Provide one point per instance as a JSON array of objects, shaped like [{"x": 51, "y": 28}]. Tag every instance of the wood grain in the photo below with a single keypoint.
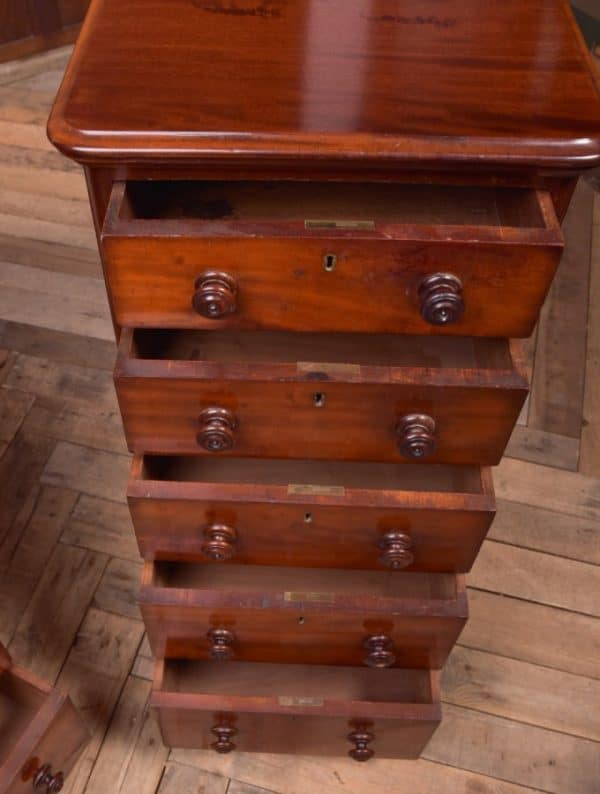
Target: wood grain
[
  {"x": 292, "y": 118},
  {"x": 273, "y": 402},
  {"x": 54, "y": 614},
  {"x": 153, "y": 263}
]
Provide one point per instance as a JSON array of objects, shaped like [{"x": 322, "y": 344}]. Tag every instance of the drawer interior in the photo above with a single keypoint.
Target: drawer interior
[
  {"x": 303, "y": 584},
  {"x": 383, "y": 350},
  {"x": 323, "y": 205},
  {"x": 261, "y": 679},
  {"x": 19, "y": 703},
  {"x": 434, "y": 478}
]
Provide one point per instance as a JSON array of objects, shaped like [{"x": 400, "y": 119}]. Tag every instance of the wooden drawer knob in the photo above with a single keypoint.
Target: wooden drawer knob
[
  {"x": 221, "y": 641},
  {"x": 380, "y": 651},
  {"x": 217, "y": 426},
  {"x": 219, "y": 542},
  {"x": 396, "y": 547},
  {"x": 416, "y": 437},
  {"x": 441, "y": 296},
  {"x": 44, "y": 778},
  {"x": 215, "y": 295},
  {"x": 224, "y": 734},
  {"x": 360, "y": 739}
]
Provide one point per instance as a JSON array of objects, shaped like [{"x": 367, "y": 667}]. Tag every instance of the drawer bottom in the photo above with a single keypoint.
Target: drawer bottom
[{"x": 301, "y": 709}]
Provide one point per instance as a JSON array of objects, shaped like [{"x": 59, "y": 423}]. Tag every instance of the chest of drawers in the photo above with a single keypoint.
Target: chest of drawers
[{"x": 321, "y": 252}]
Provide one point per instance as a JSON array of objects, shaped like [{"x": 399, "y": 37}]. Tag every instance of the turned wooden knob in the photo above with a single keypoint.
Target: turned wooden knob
[
  {"x": 217, "y": 426},
  {"x": 224, "y": 734},
  {"x": 416, "y": 437},
  {"x": 215, "y": 295},
  {"x": 360, "y": 739},
  {"x": 380, "y": 651},
  {"x": 44, "y": 777},
  {"x": 396, "y": 547},
  {"x": 221, "y": 641},
  {"x": 219, "y": 542},
  {"x": 441, "y": 296}
]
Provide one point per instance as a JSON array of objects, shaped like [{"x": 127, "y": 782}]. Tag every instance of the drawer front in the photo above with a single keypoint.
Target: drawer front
[
  {"x": 264, "y": 395},
  {"x": 302, "y": 635},
  {"x": 284, "y": 284},
  {"x": 49, "y": 745},
  {"x": 298, "y": 734},
  {"x": 296, "y": 708},
  {"x": 313, "y": 521},
  {"x": 253, "y": 614},
  {"x": 390, "y": 275},
  {"x": 335, "y": 421}
]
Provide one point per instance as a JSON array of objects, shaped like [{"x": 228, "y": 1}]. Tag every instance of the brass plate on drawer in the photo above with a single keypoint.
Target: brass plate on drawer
[
  {"x": 285, "y": 700},
  {"x": 303, "y": 489},
  {"x": 321, "y": 598},
  {"x": 323, "y": 223},
  {"x": 336, "y": 368}
]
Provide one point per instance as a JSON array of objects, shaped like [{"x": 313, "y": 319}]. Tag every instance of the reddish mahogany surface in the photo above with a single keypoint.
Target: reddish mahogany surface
[{"x": 412, "y": 82}]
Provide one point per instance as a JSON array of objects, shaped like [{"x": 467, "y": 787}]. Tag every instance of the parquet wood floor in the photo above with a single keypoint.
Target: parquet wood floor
[{"x": 521, "y": 691}]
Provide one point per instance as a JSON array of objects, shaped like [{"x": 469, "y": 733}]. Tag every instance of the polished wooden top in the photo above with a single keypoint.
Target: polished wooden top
[{"x": 401, "y": 82}]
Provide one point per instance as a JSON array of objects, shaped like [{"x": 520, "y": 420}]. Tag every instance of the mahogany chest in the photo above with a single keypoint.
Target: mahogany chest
[{"x": 325, "y": 226}]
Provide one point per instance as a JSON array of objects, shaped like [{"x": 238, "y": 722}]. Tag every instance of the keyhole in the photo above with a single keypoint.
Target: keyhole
[
  {"x": 308, "y": 518},
  {"x": 329, "y": 262},
  {"x": 301, "y": 621},
  {"x": 319, "y": 399}
]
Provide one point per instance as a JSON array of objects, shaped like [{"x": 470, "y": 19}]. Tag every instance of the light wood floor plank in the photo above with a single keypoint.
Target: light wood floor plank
[
  {"x": 118, "y": 588},
  {"x": 533, "y": 633},
  {"x": 121, "y": 743},
  {"x": 515, "y": 752},
  {"x": 546, "y": 530},
  {"x": 22, "y": 69},
  {"x": 287, "y": 774},
  {"x": 538, "y": 446},
  {"x": 562, "y": 491},
  {"x": 49, "y": 230},
  {"x": 57, "y": 346},
  {"x": 94, "y": 675},
  {"x": 24, "y": 553},
  {"x": 521, "y": 691},
  {"x": 534, "y": 576},
  {"x": 87, "y": 470},
  {"x": 76, "y": 404},
  {"x": 180, "y": 779},
  {"x": 72, "y": 212},
  {"x": 147, "y": 761},
  {"x": 65, "y": 185},
  {"x": 20, "y": 468},
  {"x": 59, "y": 603},
  {"x": 54, "y": 300},
  {"x": 14, "y": 407},
  {"x": 102, "y": 525}
]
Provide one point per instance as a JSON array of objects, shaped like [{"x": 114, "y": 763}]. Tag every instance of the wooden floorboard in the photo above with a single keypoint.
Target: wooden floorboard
[{"x": 522, "y": 687}]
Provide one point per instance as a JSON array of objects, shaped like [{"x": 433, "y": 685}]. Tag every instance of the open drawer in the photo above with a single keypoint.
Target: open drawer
[
  {"x": 321, "y": 396},
  {"x": 41, "y": 733},
  {"x": 313, "y": 514},
  {"x": 385, "y": 258},
  {"x": 301, "y": 615},
  {"x": 275, "y": 708}
]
